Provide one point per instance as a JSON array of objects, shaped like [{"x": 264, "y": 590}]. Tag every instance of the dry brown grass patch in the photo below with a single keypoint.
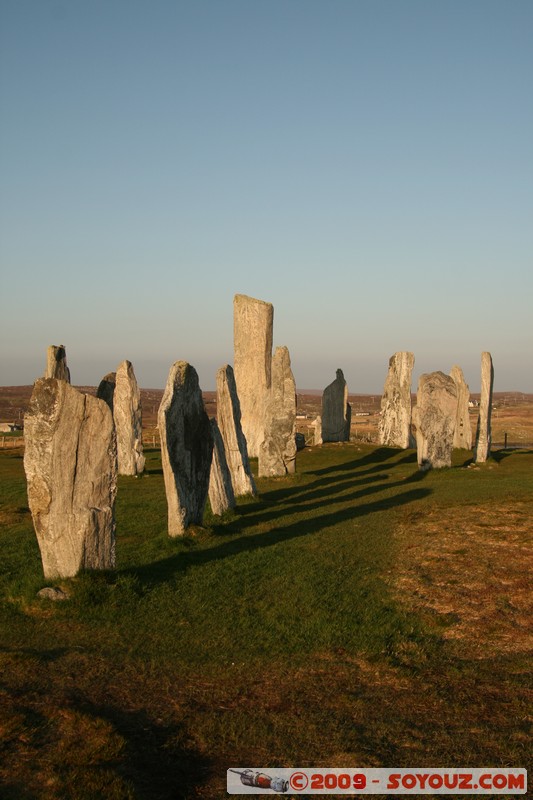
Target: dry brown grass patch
[{"x": 472, "y": 566}]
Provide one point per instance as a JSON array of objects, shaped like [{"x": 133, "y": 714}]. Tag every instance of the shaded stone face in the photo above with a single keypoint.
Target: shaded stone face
[
  {"x": 253, "y": 322},
  {"x": 434, "y": 416},
  {"x": 221, "y": 496},
  {"x": 186, "y": 448},
  {"x": 127, "y": 413},
  {"x": 70, "y": 462},
  {"x": 462, "y": 438},
  {"x": 277, "y": 454},
  {"x": 483, "y": 433},
  {"x": 229, "y": 423},
  {"x": 395, "y": 420},
  {"x": 106, "y": 388},
  {"x": 336, "y": 411},
  {"x": 56, "y": 363}
]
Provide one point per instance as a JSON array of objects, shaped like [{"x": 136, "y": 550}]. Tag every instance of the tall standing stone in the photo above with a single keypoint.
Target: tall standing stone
[
  {"x": 395, "y": 420},
  {"x": 277, "y": 453},
  {"x": 127, "y": 413},
  {"x": 56, "y": 363},
  {"x": 221, "y": 496},
  {"x": 336, "y": 411},
  {"x": 252, "y": 332},
  {"x": 229, "y": 422},
  {"x": 70, "y": 462},
  {"x": 434, "y": 416},
  {"x": 186, "y": 448},
  {"x": 483, "y": 433},
  {"x": 462, "y": 438}
]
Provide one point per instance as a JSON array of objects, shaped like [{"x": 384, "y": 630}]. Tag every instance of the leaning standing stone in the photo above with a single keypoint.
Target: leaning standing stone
[
  {"x": 395, "y": 420},
  {"x": 277, "y": 454},
  {"x": 56, "y": 363},
  {"x": 229, "y": 422},
  {"x": 186, "y": 448},
  {"x": 462, "y": 438},
  {"x": 434, "y": 416},
  {"x": 483, "y": 433},
  {"x": 70, "y": 462},
  {"x": 252, "y": 331},
  {"x": 336, "y": 411},
  {"x": 221, "y": 496},
  {"x": 127, "y": 413}
]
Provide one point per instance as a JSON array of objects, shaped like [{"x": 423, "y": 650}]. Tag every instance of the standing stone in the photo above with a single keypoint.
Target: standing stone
[
  {"x": 395, "y": 420},
  {"x": 483, "y": 432},
  {"x": 252, "y": 332},
  {"x": 186, "y": 448},
  {"x": 106, "y": 388},
  {"x": 221, "y": 496},
  {"x": 434, "y": 416},
  {"x": 127, "y": 413},
  {"x": 56, "y": 363},
  {"x": 229, "y": 422},
  {"x": 336, "y": 411},
  {"x": 317, "y": 425},
  {"x": 70, "y": 462},
  {"x": 277, "y": 454},
  {"x": 462, "y": 438}
]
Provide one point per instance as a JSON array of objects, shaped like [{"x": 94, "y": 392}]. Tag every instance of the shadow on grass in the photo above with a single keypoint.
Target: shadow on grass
[
  {"x": 161, "y": 571},
  {"x": 157, "y": 762}
]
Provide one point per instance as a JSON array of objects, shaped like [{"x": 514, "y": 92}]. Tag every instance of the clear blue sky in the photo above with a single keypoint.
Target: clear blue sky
[{"x": 366, "y": 166}]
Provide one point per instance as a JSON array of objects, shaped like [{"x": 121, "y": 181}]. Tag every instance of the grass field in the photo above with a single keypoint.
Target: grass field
[{"x": 357, "y": 614}]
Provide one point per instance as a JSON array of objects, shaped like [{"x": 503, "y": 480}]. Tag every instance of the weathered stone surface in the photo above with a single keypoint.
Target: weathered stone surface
[
  {"x": 336, "y": 411},
  {"x": 277, "y": 453},
  {"x": 483, "y": 432},
  {"x": 53, "y": 593},
  {"x": 106, "y": 388},
  {"x": 186, "y": 448},
  {"x": 395, "y": 421},
  {"x": 434, "y": 416},
  {"x": 252, "y": 332},
  {"x": 221, "y": 496},
  {"x": 317, "y": 425},
  {"x": 56, "y": 363},
  {"x": 462, "y": 437},
  {"x": 127, "y": 413},
  {"x": 229, "y": 422},
  {"x": 70, "y": 462}
]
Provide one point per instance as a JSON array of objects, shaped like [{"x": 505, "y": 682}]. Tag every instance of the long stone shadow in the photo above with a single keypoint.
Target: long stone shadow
[
  {"x": 162, "y": 571},
  {"x": 377, "y": 456},
  {"x": 318, "y": 499}
]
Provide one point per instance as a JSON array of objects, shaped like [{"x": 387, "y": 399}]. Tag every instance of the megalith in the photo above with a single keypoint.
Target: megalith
[
  {"x": 434, "y": 416},
  {"x": 106, "y": 388},
  {"x": 221, "y": 496},
  {"x": 70, "y": 462},
  {"x": 121, "y": 393},
  {"x": 277, "y": 453},
  {"x": 462, "y": 438},
  {"x": 56, "y": 363},
  {"x": 252, "y": 333},
  {"x": 336, "y": 411},
  {"x": 394, "y": 426},
  {"x": 483, "y": 432},
  {"x": 186, "y": 448},
  {"x": 127, "y": 413},
  {"x": 229, "y": 423},
  {"x": 317, "y": 433}
]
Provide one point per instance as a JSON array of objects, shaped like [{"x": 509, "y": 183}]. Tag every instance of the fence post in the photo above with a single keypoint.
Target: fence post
[{"x": 505, "y": 442}]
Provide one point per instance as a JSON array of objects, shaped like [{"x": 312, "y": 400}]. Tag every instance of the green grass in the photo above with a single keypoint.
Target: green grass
[{"x": 274, "y": 636}]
